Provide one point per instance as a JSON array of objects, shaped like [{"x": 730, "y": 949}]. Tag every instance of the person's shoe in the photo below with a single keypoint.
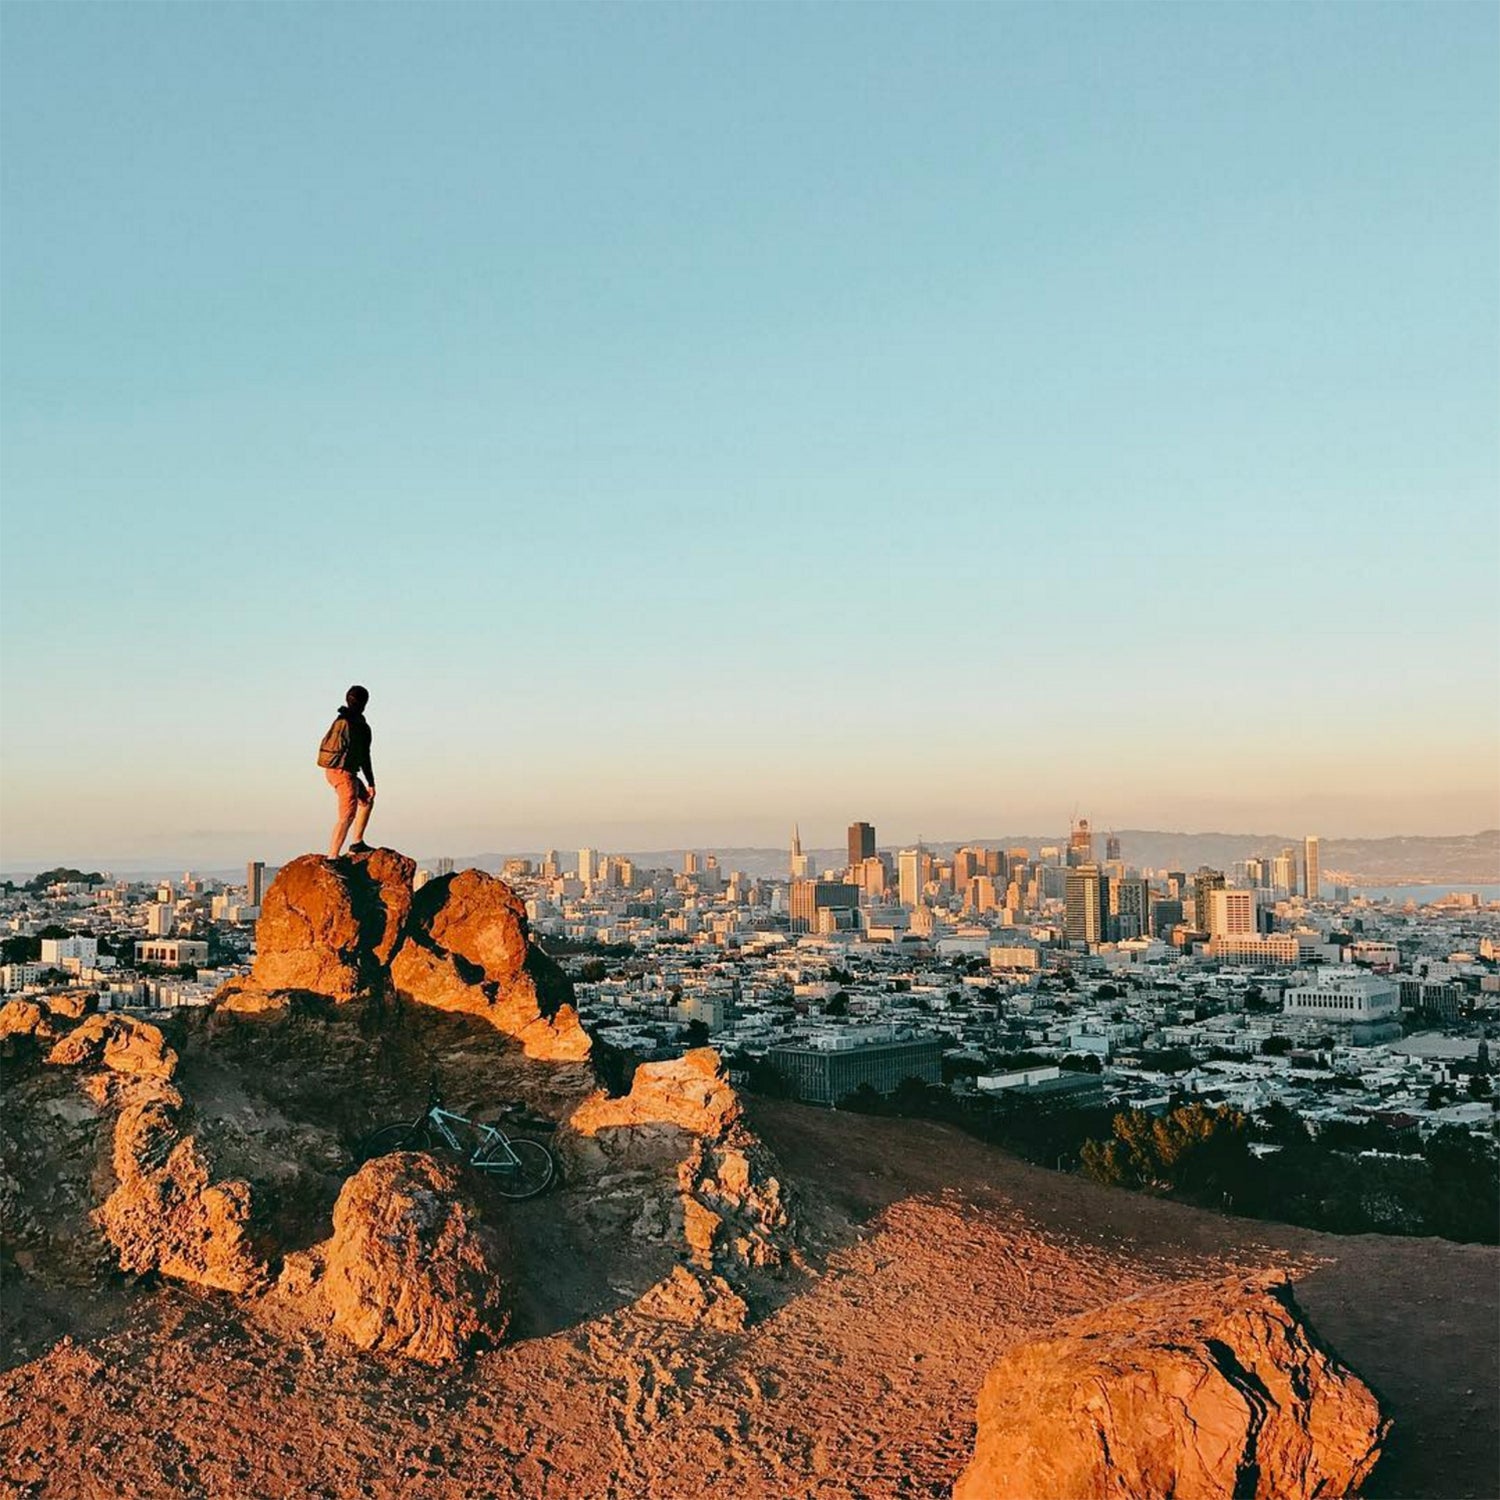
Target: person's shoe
[{"x": 360, "y": 848}]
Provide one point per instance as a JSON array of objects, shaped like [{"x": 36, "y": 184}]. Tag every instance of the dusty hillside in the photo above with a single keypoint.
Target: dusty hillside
[
  {"x": 207, "y": 1295},
  {"x": 930, "y": 1253}
]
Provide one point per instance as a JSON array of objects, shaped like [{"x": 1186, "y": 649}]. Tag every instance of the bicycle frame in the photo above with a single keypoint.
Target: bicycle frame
[{"x": 488, "y": 1141}]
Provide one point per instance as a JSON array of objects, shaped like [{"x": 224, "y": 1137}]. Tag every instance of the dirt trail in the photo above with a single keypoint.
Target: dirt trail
[{"x": 929, "y": 1254}]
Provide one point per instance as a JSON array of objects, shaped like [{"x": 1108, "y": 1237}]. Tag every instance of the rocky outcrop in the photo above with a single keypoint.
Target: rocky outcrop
[
  {"x": 167, "y": 1214},
  {"x": 411, "y": 1268},
  {"x": 729, "y": 1205},
  {"x": 1203, "y": 1391},
  {"x": 353, "y": 927},
  {"x": 329, "y": 926},
  {"x": 24, "y": 1029},
  {"x": 692, "y": 1092},
  {"x": 467, "y": 949},
  {"x": 119, "y": 1042}
]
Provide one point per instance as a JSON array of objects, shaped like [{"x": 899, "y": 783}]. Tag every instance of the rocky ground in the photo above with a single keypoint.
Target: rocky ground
[{"x": 206, "y": 1295}]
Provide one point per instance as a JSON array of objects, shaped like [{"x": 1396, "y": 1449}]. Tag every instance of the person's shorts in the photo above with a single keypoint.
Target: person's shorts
[{"x": 352, "y": 791}]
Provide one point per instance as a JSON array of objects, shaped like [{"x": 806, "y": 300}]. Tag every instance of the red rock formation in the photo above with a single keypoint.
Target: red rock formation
[
  {"x": 24, "y": 1027},
  {"x": 692, "y": 1092},
  {"x": 1203, "y": 1391},
  {"x": 729, "y": 1197},
  {"x": 467, "y": 949},
  {"x": 309, "y": 935},
  {"x": 120, "y": 1042},
  {"x": 167, "y": 1214},
  {"x": 411, "y": 1268}
]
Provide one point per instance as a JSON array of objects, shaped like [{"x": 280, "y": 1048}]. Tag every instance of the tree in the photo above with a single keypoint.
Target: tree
[
  {"x": 1194, "y": 1150},
  {"x": 1276, "y": 1046},
  {"x": 696, "y": 1034},
  {"x": 838, "y": 1004}
]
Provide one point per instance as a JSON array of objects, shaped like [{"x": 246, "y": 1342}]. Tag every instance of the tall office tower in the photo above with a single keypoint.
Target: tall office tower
[
  {"x": 551, "y": 865},
  {"x": 966, "y": 865},
  {"x": 444, "y": 866},
  {"x": 711, "y": 862},
  {"x": 690, "y": 862},
  {"x": 1081, "y": 844},
  {"x": 861, "y": 843},
  {"x": 909, "y": 877},
  {"x": 1231, "y": 913},
  {"x": 588, "y": 862},
  {"x": 1112, "y": 848},
  {"x": 1205, "y": 883},
  {"x": 1312, "y": 878},
  {"x": 1087, "y": 905},
  {"x": 1130, "y": 904},
  {"x": 801, "y": 863},
  {"x": 1257, "y": 873},
  {"x": 255, "y": 881},
  {"x": 1284, "y": 873}
]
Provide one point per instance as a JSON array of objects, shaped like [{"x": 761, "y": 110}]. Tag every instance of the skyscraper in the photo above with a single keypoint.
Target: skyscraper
[
  {"x": 1284, "y": 873},
  {"x": 255, "y": 881},
  {"x": 1205, "y": 883},
  {"x": 1112, "y": 848},
  {"x": 861, "y": 843},
  {"x": 1130, "y": 903},
  {"x": 1087, "y": 905},
  {"x": 800, "y": 861},
  {"x": 690, "y": 862},
  {"x": 588, "y": 860},
  {"x": 909, "y": 871},
  {"x": 1312, "y": 878}
]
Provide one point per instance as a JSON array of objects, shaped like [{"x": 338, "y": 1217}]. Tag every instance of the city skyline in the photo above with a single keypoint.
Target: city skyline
[{"x": 680, "y": 416}]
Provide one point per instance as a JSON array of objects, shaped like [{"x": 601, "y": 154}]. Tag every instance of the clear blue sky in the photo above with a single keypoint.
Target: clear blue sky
[{"x": 685, "y": 419}]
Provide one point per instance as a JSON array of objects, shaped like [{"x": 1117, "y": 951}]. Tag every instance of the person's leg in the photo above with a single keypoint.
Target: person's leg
[
  {"x": 343, "y": 783},
  {"x": 366, "y": 807}
]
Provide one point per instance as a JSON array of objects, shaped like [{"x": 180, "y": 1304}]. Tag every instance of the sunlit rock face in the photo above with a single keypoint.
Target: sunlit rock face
[
  {"x": 1203, "y": 1391},
  {"x": 729, "y": 1206},
  {"x": 353, "y": 928},
  {"x": 467, "y": 949},
  {"x": 412, "y": 1269}
]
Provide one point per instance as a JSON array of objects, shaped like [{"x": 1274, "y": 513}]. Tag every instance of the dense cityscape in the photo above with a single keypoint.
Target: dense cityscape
[{"x": 1020, "y": 982}]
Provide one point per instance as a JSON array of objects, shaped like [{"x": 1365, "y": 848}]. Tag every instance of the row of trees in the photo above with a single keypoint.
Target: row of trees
[{"x": 1349, "y": 1178}]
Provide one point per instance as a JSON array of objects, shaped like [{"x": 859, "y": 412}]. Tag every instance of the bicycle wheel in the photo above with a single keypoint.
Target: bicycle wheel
[
  {"x": 400, "y": 1135},
  {"x": 518, "y": 1168}
]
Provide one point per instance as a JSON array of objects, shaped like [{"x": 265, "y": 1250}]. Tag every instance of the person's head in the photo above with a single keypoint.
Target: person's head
[{"x": 357, "y": 697}]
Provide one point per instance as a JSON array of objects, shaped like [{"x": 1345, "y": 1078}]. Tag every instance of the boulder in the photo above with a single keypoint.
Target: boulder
[
  {"x": 467, "y": 949},
  {"x": 24, "y": 1027},
  {"x": 70, "y": 1005},
  {"x": 168, "y": 1215},
  {"x": 1201, "y": 1391},
  {"x": 329, "y": 926},
  {"x": 411, "y": 1268},
  {"x": 692, "y": 1092},
  {"x": 118, "y": 1041}
]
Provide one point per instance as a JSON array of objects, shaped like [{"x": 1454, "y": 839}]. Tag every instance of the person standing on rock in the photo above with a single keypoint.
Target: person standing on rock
[{"x": 344, "y": 754}]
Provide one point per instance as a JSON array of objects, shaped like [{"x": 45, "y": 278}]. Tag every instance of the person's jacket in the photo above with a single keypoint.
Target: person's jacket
[{"x": 346, "y": 746}]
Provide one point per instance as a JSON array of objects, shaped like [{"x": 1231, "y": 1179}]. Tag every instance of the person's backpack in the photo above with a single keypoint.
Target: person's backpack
[{"x": 335, "y": 744}]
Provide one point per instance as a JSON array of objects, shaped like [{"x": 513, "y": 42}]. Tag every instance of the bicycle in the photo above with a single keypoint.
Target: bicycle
[{"x": 518, "y": 1167}]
